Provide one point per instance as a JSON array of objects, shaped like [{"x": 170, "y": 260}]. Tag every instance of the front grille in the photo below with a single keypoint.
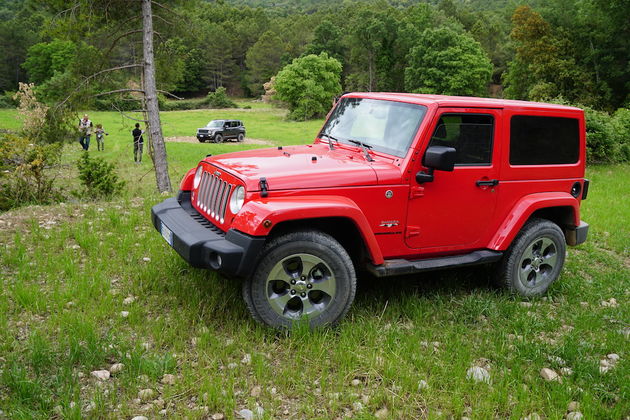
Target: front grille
[
  {"x": 213, "y": 195},
  {"x": 202, "y": 131}
]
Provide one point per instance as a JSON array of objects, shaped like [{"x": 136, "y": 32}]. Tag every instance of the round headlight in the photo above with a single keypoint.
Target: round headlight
[
  {"x": 197, "y": 177},
  {"x": 237, "y": 199}
]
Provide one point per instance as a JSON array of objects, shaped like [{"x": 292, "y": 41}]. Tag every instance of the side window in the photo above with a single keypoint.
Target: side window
[
  {"x": 544, "y": 140},
  {"x": 470, "y": 134}
]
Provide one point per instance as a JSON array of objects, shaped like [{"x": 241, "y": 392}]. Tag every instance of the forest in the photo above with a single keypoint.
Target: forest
[{"x": 567, "y": 51}]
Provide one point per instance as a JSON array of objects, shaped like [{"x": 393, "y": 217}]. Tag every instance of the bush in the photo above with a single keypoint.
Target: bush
[
  {"x": 98, "y": 177},
  {"x": 25, "y": 176},
  {"x": 6, "y": 100},
  {"x": 182, "y": 104},
  {"x": 308, "y": 85},
  {"x": 607, "y": 137},
  {"x": 219, "y": 99}
]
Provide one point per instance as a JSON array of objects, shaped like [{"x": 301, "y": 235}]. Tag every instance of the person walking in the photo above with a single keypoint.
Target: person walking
[
  {"x": 137, "y": 143},
  {"x": 85, "y": 131},
  {"x": 100, "y": 137}
]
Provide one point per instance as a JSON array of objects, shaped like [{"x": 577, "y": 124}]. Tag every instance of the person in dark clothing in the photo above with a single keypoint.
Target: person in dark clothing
[{"x": 137, "y": 143}]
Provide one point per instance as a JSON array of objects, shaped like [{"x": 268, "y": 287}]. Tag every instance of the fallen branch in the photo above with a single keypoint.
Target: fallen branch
[{"x": 169, "y": 94}]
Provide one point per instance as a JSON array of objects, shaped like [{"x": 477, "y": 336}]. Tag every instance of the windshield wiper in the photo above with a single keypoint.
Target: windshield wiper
[
  {"x": 331, "y": 138},
  {"x": 365, "y": 148}
]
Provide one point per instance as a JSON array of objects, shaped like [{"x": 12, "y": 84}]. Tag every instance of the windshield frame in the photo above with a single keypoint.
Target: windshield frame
[{"x": 403, "y": 146}]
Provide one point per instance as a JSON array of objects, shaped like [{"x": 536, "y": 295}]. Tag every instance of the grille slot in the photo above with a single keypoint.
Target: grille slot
[{"x": 212, "y": 196}]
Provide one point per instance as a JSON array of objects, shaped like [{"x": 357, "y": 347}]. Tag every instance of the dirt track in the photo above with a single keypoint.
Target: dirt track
[{"x": 191, "y": 139}]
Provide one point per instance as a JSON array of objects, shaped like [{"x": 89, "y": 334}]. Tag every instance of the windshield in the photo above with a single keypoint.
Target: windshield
[
  {"x": 384, "y": 126},
  {"x": 215, "y": 123}
]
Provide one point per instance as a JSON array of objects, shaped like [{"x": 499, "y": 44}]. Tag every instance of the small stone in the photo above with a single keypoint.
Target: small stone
[
  {"x": 72, "y": 404},
  {"x": 146, "y": 259},
  {"x": 532, "y": 416},
  {"x": 168, "y": 379},
  {"x": 69, "y": 304},
  {"x": 139, "y": 418},
  {"x": 116, "y": 368},
  {"x": 526, "y": 304},
  {"x": 566, "y": 371},
  {"x": 575, "y": 415},
  {"x": 256, "y": 391},
  {"x": 246, "y": 414},
  {"x": 146, "y": 394},
  {"x": 355, "y": 382},
  {"x": 102, "y": 375},
  {"x": 478, "y": 374},
  {"x": 573, "y": 406},
  {"x": 232, "y": 365},
  {"x": 584, "y": 304},
  {"x": 129, "y": 300},
  {"x": 247, "y": 359},
  {"x": 357, "y": 406},
  {"x": 163, "y": 412},
  {"x": 465, "y": 418},
  {"x": 604, "y": 369},
  {"x": 382, "y": 413},
  {"x": 613, "y": 357},
  {"x": 422, "y": 385},
  {"x": 549, "y": 374},
  {"x": 218, "y": 416},
  {"x": 124, "y": 314},
  {"x": 604, "y": 363},
  {"x": 273, "y": 390}
]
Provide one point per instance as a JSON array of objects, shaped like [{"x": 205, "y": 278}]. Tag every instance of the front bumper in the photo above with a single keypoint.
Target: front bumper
[{"x": 202, "y": 244}]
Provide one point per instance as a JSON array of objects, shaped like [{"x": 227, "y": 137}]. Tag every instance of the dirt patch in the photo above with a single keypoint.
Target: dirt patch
[{"x": 191, "y": 139}]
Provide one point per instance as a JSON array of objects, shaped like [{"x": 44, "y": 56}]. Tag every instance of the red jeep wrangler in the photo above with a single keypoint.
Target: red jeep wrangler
[{"x": 395, "y": 184}]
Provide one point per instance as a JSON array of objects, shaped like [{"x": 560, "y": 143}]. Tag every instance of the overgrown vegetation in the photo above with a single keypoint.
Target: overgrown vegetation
[{"x": 98, "y": 177}]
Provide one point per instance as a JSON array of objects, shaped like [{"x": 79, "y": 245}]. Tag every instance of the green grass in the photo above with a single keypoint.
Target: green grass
[{"x": 66, "y": 269}]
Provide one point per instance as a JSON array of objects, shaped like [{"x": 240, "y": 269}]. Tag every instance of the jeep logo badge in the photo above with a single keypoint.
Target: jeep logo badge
[{"x": 389, "y": 194}]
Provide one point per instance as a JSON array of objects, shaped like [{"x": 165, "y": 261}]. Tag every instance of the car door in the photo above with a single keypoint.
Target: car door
[{"x": 453, "y": 212}]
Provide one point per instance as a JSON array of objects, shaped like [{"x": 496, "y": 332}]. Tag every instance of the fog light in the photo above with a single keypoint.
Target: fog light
[{"x": 215, "y": 260}]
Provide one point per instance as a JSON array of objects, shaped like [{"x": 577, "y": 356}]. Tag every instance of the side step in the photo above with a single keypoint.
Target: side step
[{"x": 399, "y": 267}]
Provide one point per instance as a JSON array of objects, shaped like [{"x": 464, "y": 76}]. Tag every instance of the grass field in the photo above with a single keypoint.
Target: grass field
[{"x": 87, "y": 285}]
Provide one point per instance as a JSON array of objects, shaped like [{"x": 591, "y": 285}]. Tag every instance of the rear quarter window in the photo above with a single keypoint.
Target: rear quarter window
[{"x": 536, "y": 140}]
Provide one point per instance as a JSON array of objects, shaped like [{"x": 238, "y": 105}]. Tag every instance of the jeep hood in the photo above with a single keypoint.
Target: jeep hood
[{"x": 308, "y": 166}]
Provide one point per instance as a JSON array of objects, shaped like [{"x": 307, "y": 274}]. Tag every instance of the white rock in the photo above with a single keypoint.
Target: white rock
[
  {"x": 478, "y": 374},
  {"x": 274, "y": 391},
  {"x": 604, "y": 369},
  {"x": 382, "y": 413},
  {"x": 100, "y": 374},
  {"x": 246, "y": 414},
  {"x": 574, "y": 415},
  {"x": 549, "y": 374},
  {"x": 566, "y": 371},
  {"x": 146, "y": 394},
  {"x": 613, "y": 357},
  {"x": 218, "y": 416},
  {"x": 124, "y": 314},
  {"x": 422, "y": 385},
  {"x": 168, "y": 379},
  {"x": 116, "y": 368},
  {"x": 139, "y": 418},
  {"x": 526, "y": 304},
  {"x": 532, "y": 416},
  {"x": 146, "y": 259},
  {"x": 247, "y": 359},
  {"x": 129, "y": 300},
  {"x": 604, "y": 363},
  {"x": 573, "y": 406},
  {"x": 357, "y": 406},
  {"x": 355, "y": 382},
  {"x": 163, "y": 412},
  {"x": 232, "y": 365}
]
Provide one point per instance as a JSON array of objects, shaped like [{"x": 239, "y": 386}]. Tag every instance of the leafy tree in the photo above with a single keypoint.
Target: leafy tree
[
  {"x": 328, "y": 39},
  {"x": 263, "y": 60},
  {"x": 308, "y": 85},
  {"x": 47, "y": 58},
  {"x": 445, "y": 62}
]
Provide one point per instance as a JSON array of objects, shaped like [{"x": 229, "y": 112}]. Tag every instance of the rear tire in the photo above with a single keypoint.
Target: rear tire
[
  {"x": 534, "y": 260},
  {"x": 301, "y": 275}
]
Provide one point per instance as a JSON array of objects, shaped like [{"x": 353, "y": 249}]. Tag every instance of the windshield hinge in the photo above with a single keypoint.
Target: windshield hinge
[{"x": 264, "y": 187}]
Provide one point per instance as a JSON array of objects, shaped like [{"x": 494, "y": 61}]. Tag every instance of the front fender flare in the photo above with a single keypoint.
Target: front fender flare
[
  {"x": 258, "y": 217},
  {"x": 522, "y": 211}
]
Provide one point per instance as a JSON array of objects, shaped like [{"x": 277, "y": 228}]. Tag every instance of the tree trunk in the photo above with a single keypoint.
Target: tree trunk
[{"x": 156, "y": 138}]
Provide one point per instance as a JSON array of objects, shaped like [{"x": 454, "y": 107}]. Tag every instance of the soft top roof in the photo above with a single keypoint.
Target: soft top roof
[{"x": 459, "y": 101}]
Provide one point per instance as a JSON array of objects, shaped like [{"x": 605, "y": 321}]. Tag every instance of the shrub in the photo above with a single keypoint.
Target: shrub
[
  {"x": 219, "y": 99},
  {"x": 98, "y": 177},
  {"x": 25, "y": 176},
  {"x": 621, "y": 124},
  {"x": 182, "y": 104},
  {"x": 308, "y": 85},
  {"x": 602, "y": 140},
  {"x": 6, "y": 100}
]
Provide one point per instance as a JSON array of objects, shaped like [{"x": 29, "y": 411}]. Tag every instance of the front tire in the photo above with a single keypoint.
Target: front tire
[
  {"x": 240, "y": 137},
  {"x": 302, "y": 275},
  {"x": 218, "y": 138},
  {"x": 534, "y": 260}
]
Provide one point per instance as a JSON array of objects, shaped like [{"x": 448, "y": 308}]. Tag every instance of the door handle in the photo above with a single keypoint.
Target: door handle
[{"x": 488, "y": 183}]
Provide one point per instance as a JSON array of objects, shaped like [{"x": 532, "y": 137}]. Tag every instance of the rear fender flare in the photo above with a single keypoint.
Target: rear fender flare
[
  {"x": 523, "y": 210},
  {"x": 258, "y": 217}
]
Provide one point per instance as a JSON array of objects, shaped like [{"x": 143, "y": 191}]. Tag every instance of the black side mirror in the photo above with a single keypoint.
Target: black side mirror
[{"x": 436, "y": 157}]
